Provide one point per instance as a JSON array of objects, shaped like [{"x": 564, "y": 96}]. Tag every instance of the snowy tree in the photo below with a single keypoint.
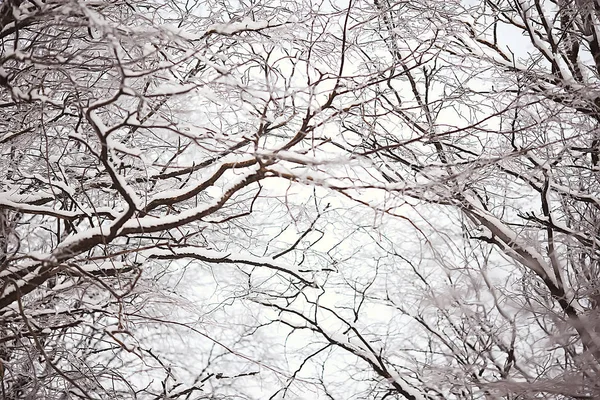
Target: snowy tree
[
  {"x": 364, "y": 199},
  {"x": 506, "y": 133},
  {"x": 485, "y": 149},
  {"x": 132, "y": 138}
]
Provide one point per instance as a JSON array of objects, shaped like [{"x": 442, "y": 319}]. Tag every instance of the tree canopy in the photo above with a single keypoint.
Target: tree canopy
[{"x": 279, "y": 199}]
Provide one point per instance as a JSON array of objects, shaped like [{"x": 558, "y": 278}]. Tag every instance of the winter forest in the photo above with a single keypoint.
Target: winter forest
[{"x": 299, "y": 199}]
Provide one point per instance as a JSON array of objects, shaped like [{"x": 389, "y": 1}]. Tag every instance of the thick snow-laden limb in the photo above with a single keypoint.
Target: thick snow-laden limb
[
  {"x": 116, "y": 145},
  {"x": 17, "y": 284},
  {"x": 227, "y": 29},
  {"x": 236, "y": 27},
  {"x": 77, "y": 243},
  {"x": 216, "y": 257},
  {"x": 178, "y": 195},
  {"x": 61, "y": 214},
  {"x": 525, "y": 254},
  {"x": 303, "y": 158}
]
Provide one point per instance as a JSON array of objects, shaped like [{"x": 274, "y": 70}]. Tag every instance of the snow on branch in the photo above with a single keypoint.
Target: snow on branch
[
  {"x": 218, "y": 257},
  {"x": 232, "y": 28}
]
